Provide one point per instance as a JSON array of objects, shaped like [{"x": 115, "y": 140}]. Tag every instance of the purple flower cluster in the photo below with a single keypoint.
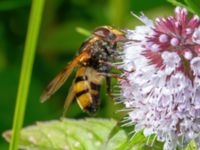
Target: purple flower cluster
[{"x": 163, "y": 94}]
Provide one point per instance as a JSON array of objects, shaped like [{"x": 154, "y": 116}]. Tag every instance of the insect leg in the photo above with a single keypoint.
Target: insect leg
[
  {"x": 69, "y": 99},
  {"x": 116, "y": 67},
  {"x": 108, "y": 84},
  {"x": 113, "y": 75}
]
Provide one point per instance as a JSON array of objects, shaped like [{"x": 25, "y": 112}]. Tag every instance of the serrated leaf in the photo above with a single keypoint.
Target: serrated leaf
[
  {"x": 84, "y": 134},
  {"x": 87, "y": 134}
]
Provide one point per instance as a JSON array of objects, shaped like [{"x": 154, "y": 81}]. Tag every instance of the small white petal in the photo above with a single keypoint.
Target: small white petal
[
  {"x": 184, "y": 10},
  {"x": 171, "y": 61},
  {"x": 144, "y": 19},
  {"x": 188, "y": 31},
  {"x": 148, "y": 45},
  {"x": 196, "y": 17},
  {"x": 177, "y": 9},
  {"x": 174, "y": 41},
  {"x": 163, "y": 38},
  {"x": 155, "y": 48},
  {"x": 139, "y": 33},
  {"x": 148, "y": 131},
  {"x": 188, "y": 55},
  {"x": 177, "y": 24},
  {"x": 195, "y": 65},
  {"x": 196, "y": 36},
  {"x": 157, "y": 20}
]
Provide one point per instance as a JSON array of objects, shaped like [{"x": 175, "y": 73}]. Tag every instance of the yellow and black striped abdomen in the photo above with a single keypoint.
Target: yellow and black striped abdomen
[{"x": 87, "y": 87}]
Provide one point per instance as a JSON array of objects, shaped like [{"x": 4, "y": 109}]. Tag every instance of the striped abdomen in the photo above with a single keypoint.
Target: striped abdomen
[{"x": 87, "y": 87}]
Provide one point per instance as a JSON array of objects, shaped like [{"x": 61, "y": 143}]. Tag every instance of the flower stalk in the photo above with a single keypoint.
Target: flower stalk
[{"x": 26, "y": 70}]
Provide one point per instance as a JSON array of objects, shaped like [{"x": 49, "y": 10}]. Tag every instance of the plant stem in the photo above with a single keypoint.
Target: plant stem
[
  {"x": 26, "y": 70},
  {"x": 83, "y": 31}
]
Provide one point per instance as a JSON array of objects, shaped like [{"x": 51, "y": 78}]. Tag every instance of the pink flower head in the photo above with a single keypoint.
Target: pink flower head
[{"x": 163, "y": 93}]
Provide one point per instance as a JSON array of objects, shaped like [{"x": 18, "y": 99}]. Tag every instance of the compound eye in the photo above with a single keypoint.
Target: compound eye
[{"x": 102, "y": 32}]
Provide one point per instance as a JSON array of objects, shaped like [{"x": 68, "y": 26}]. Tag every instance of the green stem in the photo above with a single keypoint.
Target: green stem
[
  {"x": 83, "y": 31},
  {"x": 26, "y": 70}
]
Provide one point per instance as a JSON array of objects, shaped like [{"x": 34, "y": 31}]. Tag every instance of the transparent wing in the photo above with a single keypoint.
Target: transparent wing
[
  {"x": 69, "y": 99},
  {"x": 59, "y": 80}
]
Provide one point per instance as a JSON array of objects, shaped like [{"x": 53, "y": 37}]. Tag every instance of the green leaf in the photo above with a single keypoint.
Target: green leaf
[
  {"x": 177, "y": 3},
  {"x": 191, "y": 146},
  {"x": 88, "y": 134},
  {"x": 194, "y": 5},
  {"x": 85, "y": 134}
]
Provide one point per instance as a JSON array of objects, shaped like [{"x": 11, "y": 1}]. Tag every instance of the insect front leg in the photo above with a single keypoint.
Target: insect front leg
[
  {"x": 111, "y": 75},
  {"x": 116, "y": 67}
]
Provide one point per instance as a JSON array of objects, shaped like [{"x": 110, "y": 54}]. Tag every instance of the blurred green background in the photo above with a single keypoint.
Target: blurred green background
[{"x": 58, "y": 43}]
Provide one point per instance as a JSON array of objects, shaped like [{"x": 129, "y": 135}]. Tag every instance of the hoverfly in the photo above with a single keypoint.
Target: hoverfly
[{"x": 93, "y": 64}]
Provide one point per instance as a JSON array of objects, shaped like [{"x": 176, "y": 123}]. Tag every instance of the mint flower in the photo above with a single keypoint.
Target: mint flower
[{"x": 163, "y": 94}]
